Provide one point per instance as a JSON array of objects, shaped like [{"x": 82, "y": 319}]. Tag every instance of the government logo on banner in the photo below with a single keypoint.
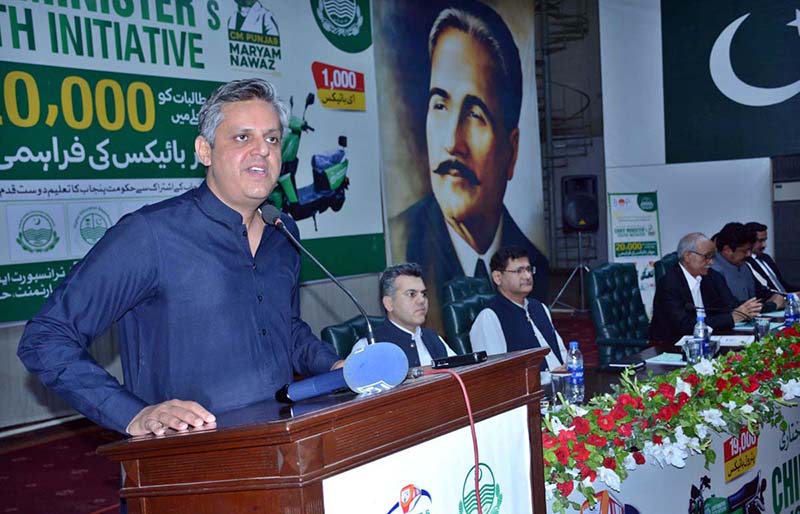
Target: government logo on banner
[
  {"x": 731, "y": 79},
  {"x": 490, "y": 496}
]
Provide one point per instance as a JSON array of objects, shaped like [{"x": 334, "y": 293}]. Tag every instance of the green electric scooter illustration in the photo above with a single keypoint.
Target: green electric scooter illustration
[{"x": 329, "y": 172}]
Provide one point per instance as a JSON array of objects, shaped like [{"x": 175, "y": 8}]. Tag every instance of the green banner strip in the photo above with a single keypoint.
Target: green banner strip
[{"x": 346, "y": 255}]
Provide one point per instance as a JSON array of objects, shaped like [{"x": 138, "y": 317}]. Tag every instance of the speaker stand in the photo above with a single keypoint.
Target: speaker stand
[{"x": 579, "y": 270}]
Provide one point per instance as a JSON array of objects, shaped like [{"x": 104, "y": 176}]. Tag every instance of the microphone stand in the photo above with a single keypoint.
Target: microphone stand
[{"x": 271, "y": 216}]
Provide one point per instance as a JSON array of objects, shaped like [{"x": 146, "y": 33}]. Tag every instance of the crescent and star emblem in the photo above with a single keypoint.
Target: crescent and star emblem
[{"x": 731, "y": 85}]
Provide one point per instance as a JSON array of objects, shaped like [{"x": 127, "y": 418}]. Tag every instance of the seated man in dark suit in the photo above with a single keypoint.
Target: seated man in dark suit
[
  {"x": 405, "y": 299},
  {"x": 762, "y": 265},
  {"x": 734, "y": 246},
  {"x": 514, "y": 321},
  {"x": 690, "y": 283}
]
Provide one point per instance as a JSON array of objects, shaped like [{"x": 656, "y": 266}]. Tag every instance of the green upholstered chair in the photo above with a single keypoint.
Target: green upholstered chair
[
  {"x": 465, "y": 287},
  {"x": 664, "y": 264},
  {"x": 458, "y": 316},
  {"x": 617, "y": 311},
  {"x": 344, "y": 335}
]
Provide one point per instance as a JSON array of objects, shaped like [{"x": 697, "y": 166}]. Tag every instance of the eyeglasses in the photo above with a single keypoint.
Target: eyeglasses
[
  {"x": 707, "y": 256},
  {"x": 521, "y": 270}
]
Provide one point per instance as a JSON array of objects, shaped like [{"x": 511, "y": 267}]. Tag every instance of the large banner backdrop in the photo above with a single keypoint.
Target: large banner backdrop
[
  {"x": 98, "y": 117},
  {"x": 460, "y": 154},
  {"x": 731, "y": 79}
]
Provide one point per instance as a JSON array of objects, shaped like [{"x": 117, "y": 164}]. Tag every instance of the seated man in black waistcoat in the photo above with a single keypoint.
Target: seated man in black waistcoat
[
  {"x": 405, "y": 299},
  {"x": 513, "y": 321}
]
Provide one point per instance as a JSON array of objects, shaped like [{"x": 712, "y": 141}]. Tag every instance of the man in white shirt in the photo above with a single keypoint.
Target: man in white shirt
[
  {"x": 691, "y": 284},
  {"x": 513, "y": 321},
  {"x": 405, "y": 299}
]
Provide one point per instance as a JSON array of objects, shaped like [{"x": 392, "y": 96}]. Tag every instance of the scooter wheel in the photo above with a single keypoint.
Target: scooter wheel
[{"x": 337, "y": 203}]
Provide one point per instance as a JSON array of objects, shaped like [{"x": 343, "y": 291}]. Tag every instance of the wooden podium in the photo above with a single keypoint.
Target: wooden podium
[{"x": 272, "y": 458}]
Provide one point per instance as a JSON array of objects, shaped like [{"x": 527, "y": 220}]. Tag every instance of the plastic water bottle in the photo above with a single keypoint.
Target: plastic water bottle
[
  {"x": 702, "y": 333},
  {"x": 791, "y": 312},
  {"x": 575, "y": 388}
]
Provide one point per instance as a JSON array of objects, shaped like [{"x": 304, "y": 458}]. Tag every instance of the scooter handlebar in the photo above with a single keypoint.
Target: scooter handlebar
[{"x": 308, "y": 127}]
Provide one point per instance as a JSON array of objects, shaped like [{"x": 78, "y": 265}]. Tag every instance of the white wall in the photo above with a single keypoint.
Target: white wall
[{"x": 693, "y": 196}]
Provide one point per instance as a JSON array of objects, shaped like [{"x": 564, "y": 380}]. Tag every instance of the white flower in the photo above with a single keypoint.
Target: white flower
[
  {"x": 609, "y": 477},
  {"x": 713, "y": 417},
  {"x": 674, "y": 455},
  {"x": 701, "y": 430},
  {"x": 550, "y": 490},
  {"x": 682, "y": 387},
  {"x": 654, "y": 451},
  {"x": 683, "y": 441},
  {"x": 558, "y": 426},
  {"x": 730, "y": 405},
  {"x": 629, "y": 462},
  {"x": 779, "y": 351},
  {"x": 747, "y": 409},
  {"x": 790, "y": 389},
  {"x": 587, "y": 482},
  {"x": 704, "y": 367},
  {"x": 578, "y": 411}
]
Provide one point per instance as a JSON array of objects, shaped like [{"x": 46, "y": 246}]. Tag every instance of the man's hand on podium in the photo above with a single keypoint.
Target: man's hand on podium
[{"x": 176, "y": 414}]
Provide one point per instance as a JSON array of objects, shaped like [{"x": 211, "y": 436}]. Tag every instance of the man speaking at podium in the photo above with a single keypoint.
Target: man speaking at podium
[{"x": 204, "y": 294}]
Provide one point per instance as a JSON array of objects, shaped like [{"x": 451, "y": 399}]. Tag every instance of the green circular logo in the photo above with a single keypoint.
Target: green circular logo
[
  {"x": 345, "y": 23},
  {"x": 92, "y": 223},
  {"x": 489, "y": 491},
  {"x": 37, "y": 232},
  {"x": 647, "y": 201}
]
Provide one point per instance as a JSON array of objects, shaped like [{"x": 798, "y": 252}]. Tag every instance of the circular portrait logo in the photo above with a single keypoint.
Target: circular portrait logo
[{"x": 37, "y": 232}]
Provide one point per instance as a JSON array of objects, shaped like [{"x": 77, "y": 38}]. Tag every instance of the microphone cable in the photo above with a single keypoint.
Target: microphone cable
[{"x": 471, "y": 427}]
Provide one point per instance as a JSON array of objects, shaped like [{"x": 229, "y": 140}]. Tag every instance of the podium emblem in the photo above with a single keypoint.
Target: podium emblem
[{"x": 489, "y": 489}]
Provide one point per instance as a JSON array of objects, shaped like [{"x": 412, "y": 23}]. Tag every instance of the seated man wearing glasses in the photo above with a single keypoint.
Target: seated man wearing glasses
[
  {"x": 692, "y": 284},
  {"x": 513, "y": 321}
]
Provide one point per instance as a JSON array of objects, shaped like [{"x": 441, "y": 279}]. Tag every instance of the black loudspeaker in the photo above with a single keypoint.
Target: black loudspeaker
[{"x": 579, "y": 209}]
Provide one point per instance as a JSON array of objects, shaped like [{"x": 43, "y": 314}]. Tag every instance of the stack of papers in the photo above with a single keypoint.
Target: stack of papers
[{"x": 667, "y": 359}]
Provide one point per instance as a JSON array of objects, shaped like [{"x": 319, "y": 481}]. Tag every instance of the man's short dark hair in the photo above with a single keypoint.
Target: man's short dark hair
[
  {"x": 503, "y": 255},
  {"x": 734, "y": 235},
  {"x": 755, "y": 226},
  {"x": 387, "y": 285},
  {"x": 484, "y": 24}
]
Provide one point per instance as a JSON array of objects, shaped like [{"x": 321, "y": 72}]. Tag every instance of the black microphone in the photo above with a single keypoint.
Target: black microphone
[
  {"x": 692, "y": 307},
  {"x": 271, "y": 216},
  {"x": 375, "y": 368}
]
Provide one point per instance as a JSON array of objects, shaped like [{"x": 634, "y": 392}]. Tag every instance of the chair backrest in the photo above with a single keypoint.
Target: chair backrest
[
  {"x": 458, "y": 317},
  {"x": 344, "y": 335},
  {"x": 664, "y": 264},
  {"x": 616, "y": 302},
  {"x": 460, "y": 288}
]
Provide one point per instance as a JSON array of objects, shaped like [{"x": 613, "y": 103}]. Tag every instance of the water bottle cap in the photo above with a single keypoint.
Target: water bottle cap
[{"x": 573, "y": 344}]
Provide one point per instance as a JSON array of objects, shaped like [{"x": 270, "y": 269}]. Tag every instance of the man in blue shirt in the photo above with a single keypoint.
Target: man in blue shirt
[{"x": 204, "y": 294}]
